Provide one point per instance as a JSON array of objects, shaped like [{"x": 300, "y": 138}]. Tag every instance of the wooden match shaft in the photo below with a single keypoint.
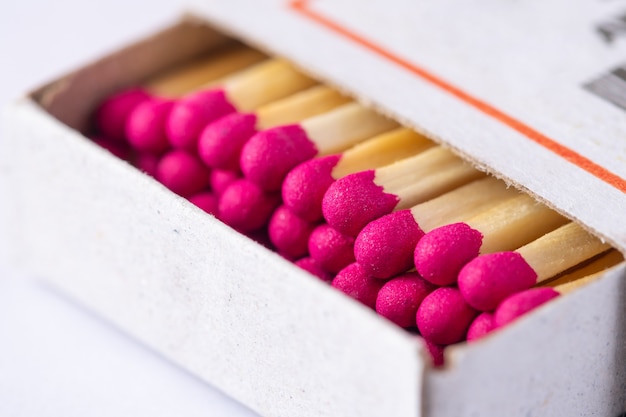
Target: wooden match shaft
[
  {"x": 425, "y": 176},
  {"x": 299, "y": 106},
  {"x": 210, "y": 68},
  {"x": 463, "y": 203},
  {"x": 561, "y": 249},
  {"x": 264, "y": 83},
  {"x": 513, "y": 223},
  {"x": 345, "y": 126},
  {"x": 381, "y": 150},
  {"x": 585, "y": 274}
]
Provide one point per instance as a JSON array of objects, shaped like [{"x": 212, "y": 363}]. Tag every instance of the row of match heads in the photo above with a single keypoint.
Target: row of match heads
[{"x": 387, "y": 216}]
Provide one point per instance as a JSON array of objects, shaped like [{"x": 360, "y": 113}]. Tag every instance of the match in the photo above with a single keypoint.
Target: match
[
  {"x": 353, "y": 201},
  {"x": 505, "y": 226},
  {"x": 221, "y": 141},
  {"x": 243, "y": 91},
  {"x": 304, "y": 186},
  {"x": 488, "y": 279},
  {"x": 269, "y": 155}
]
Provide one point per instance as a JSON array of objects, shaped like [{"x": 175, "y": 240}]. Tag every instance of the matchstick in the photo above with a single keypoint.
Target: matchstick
[
  {"x": 269, "y": 155},
  {"x": 220, "y": 142},
  {"x": 305, "y": 185},
  {"x": 488, "y": 279},
  {"x": 353, "y": 201},
  {"x": 243, "y": 91}
]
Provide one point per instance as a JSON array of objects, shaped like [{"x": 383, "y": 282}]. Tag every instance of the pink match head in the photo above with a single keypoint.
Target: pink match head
[
  {"x": 481, "y": 325},
  {"x": 182, "y": 173},
  {"x": 221, "y": 179},
  {"x": 313, "y": 267},
  {"x": 147, "y": 162},
  {"x": 206, "y": 200},
  {"x": 355, "y": 283},
  {"x": 436, "y": 352},
  {"x": 145, "y": 126},
  {"x": 333, "y": 250},
  {"x": 384, "y": 247},
  {"x": 444, "y": 316},
  {"x": 192, "y": 113},
  {"x": 355, "y": 200},
  {"x": 220, "y": 142},
  {"x": 246, "y": 207},
  {"x": 117, "y": 148},
  {"x": 488, "y": 279},
  {"x": 269, "y": 155},
  {"x": 305, "y": 185},
  {"x": 111, "y": 116},
  {"x": 399, "y": 299},
  {"x": 289, "y": 233},
  {"x": 521, "y": 303},
  {"x": 442, "y": 252}
]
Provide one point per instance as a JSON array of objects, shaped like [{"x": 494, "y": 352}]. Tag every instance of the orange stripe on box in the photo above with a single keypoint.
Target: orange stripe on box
[{"x": 301, "y": 7}]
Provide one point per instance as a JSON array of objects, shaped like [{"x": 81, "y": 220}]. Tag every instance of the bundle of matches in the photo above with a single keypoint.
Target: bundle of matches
[{"x": 392, "y": 220}]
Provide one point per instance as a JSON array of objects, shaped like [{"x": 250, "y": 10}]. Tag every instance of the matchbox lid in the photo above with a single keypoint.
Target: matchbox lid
[{"x": 533, "y": 91}]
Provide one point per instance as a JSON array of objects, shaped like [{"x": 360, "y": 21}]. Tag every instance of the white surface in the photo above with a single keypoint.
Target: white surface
[{"x": 57, "y": 359}]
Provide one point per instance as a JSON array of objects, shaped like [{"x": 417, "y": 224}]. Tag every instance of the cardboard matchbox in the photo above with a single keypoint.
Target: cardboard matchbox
[{"x": 529, "y": 91}]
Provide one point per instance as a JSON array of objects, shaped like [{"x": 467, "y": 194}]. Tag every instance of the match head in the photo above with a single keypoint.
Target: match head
[
  {"x": 192, "y": 113},
  {"x": 221, "y": 179},
  {"x": 488, "y": 279},
  {"x": 355, "y": 283},
  {"x": 183, "y": 173},
  {"x": 305, "y": 185},
  {"x": 145, "y": 126},
  {"x": 442, "y": 252},
  {"x": 205, "y": 200},
  {"x": 117, "y": 148},
  {"x": 521, "y": 303},
  {"x": 245, "y": 207},
  {"x": 385, "y": 247},
  {"x": 289, "y": 233},
  {"x": 444, "y": 316},
  {"x": 353, "y": 201},
  {"x": 221, "y": 141},
  {"x": 313, "y": 267},
  {"x": 269, "y": 155},
  {"x": 436, "y": 352},
  {"x": 481, "y": 325},
  {"x": 146, "y": 162},
  {"x": 333, "y": 250},
  {"x": 111, "y": 116},
  {"x": 399, "y": 299}
]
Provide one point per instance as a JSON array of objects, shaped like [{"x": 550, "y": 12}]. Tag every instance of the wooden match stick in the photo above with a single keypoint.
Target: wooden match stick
[
  {"x": 305, "y": 185},
  {"x": 587, "y": 273},
  {"x": 244, "y": 91},
  {"x": 220, "y": 143},
  {"x": 270, "y": 154},
  {"x": 203, "y": 72},
  {"x": 488, "y": 279},
  {"x": 357, "y": 199}
]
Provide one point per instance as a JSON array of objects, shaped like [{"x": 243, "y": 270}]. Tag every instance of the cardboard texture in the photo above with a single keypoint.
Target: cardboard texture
[{"x": 249, "y": 322}]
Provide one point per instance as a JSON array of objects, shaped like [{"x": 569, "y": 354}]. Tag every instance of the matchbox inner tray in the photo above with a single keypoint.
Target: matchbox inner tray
[{"x": 246, "y": 319}]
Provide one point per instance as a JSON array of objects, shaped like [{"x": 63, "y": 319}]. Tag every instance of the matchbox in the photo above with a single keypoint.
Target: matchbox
[{"x": 252, "y": 323}]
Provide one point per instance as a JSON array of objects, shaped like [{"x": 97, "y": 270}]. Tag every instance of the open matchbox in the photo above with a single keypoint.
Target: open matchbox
[{"x": 536, "y": 105}]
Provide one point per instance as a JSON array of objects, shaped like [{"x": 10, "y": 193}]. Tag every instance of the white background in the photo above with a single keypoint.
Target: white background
[{"x": 57, "y": 359}]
